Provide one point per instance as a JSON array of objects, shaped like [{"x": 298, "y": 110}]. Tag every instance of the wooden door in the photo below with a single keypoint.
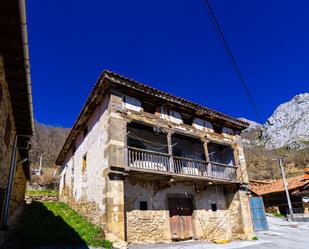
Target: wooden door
[{"x": 181, "y": 210}]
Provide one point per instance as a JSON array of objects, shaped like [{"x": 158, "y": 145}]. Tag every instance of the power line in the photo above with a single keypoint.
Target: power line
[
  {"x": 244, "y": 83},
  {"x": 234, "y": 62},
  {"x": 231, "y": 56}
]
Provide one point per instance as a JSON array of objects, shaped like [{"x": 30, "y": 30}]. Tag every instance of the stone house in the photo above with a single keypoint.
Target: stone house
[
  {"x": 16, "y": 115},
  {"x": 151, "y": 167}
]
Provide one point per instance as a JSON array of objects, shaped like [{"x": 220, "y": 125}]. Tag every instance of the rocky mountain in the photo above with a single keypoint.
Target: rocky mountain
[
  {"x": 289, "y": 125},
  {"x": 285, "y": 134},
  {"x": 252, "y": 124}
]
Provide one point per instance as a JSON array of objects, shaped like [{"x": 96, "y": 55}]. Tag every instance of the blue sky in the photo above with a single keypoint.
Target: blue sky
[{"x": 170, "y": 45}]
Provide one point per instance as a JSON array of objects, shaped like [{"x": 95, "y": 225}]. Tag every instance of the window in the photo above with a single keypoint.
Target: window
[
  {"x": 7, "y": 134},
  {"x": 217, "y": 128},
  {"x": 85, "y": 131},
  {"x": 64, "y": 183},
  {"x": 143, "y": 205},
  {"x": 149, "y": 107},
  {"x": 221, "y": 153},
  {"x": 84, "y": 163},
  {"x": 187, "y": 119},
  {"x": 214, "y": 206}
]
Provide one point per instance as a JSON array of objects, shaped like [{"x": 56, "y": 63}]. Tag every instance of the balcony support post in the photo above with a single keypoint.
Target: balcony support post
[
  {"x": 237, "y": 163},
  {"x": 170, "y": 151},
  {"x": 208, "y": 169}
]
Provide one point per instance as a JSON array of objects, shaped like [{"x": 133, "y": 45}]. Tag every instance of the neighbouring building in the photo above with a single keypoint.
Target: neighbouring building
[
  {"x": 16, "y": 115},
  {"x": 151, "y": 167},
  {"x": 274, "y": 195}
]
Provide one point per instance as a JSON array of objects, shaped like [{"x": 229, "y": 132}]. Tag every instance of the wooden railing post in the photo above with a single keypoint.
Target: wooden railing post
[{"x": 170, "y": 151}]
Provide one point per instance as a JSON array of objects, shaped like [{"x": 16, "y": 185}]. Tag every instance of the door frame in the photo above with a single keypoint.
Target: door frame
[{"x": 181, "y": 196}]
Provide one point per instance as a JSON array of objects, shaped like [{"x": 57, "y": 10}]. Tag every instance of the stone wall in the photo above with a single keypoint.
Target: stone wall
[
  {"x": 82, "y": 183},
  {"x": 153, "y": 225},
  {"x": 19, "y": 189},
  {"x": 149, "y": 226},
  {"x": 6, "y": 112},
  {"x": 88, "y": 209}
]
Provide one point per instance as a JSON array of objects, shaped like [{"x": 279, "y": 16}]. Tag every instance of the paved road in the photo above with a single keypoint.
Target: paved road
[{"x": 282, "y": 235}]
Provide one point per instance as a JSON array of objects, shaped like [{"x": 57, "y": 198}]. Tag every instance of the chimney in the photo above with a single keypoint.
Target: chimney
[{"x": 306, "y": 175}]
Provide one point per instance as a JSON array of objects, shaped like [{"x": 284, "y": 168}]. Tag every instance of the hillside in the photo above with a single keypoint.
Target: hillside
[
  {"x": 48, "y": 140},
  {"x": 260, "y": 161}
]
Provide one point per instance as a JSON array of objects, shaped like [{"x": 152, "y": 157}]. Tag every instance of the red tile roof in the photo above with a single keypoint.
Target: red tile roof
[{"x": 294, "y": 183}]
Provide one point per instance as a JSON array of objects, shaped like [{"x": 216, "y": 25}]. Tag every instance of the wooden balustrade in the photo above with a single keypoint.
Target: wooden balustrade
[{"x": 157, "y": 161}]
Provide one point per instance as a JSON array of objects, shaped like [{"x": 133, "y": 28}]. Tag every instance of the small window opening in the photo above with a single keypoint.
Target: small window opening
[
  {"x": 187, "y": 120},
  {"x": 85, "y": 131},
  {"x": 64, "y": 180},
  {"x": 214, "y": 206},
  {"x": 143, "y": 205},
  {"x": 217, "y": 128},
  {"x": 149, "y": 107},
  {"x": 84, "y": 163},
  {"x": 7, "y": 133}
]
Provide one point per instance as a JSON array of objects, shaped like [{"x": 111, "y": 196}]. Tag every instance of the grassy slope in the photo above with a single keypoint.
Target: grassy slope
[
  {"x": 260, "y": 161},
  {"x": 55, "y": 223},
  {"x": 46, "y": 192}
]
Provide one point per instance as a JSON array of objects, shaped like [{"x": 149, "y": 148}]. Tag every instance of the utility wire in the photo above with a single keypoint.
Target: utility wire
[
  {"x": 231, "y": 56},
  {"x": 149, "y": 143},
  {"x": 234, "y": 63}
]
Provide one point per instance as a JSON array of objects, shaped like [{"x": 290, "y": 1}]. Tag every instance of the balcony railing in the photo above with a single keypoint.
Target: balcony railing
[{"x": 162, "y": 162}]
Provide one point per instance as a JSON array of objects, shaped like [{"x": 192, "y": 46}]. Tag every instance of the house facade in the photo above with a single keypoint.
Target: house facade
[
  {"x": 16, "y": 115},
  {"x": 151, "y": 167}
]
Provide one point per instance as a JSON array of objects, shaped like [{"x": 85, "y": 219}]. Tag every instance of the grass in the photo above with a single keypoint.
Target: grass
[
  {"x": 278, "y": 215},
  {"x": 255, "y": 238},
  {"x": 45, "y": 192},
  {"x": 55, "y": 223}
]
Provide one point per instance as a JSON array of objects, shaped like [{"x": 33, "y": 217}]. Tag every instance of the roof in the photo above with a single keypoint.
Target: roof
[
  {"x": 294, "y": 183},
  {"x": 119, "y": 79},
  {"x": 112, "y": 79},
  {"x": 15, "y": 53},
  {"x": 16, "y": 65}
]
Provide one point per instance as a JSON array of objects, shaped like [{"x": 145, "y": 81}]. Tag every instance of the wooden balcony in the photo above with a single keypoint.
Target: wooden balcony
[{"x": 151, "y": 161}]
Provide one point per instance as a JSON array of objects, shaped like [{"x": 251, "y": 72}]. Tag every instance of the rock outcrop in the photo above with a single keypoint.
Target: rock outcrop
[
  {"x": 289, "y": 125},
  {"x": 252, "y": 124}
]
